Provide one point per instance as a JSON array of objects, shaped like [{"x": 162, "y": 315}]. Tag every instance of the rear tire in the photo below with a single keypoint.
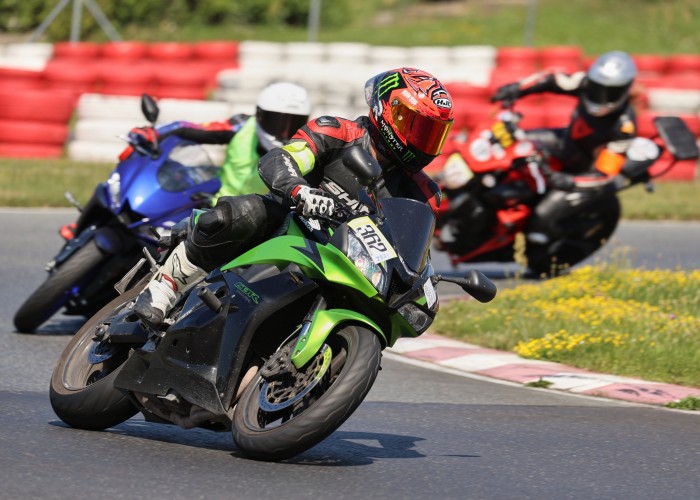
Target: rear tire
[
  {"x": 82, "y": 394},
  {"x": 590, "y": 229},
  {"x": 55, "y": 291},
  {"x": 265, "y": 435}
]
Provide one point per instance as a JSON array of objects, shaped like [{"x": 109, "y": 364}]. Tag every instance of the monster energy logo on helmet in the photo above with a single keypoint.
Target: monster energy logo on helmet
[{"x": 388, "y": 83}]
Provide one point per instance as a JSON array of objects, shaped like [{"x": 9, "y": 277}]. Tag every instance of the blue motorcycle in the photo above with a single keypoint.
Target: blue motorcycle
[{"x": 144, "y": 197}]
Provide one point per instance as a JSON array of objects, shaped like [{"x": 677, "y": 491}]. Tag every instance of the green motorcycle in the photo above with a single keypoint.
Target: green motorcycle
[{"x": 280, "y": 345}]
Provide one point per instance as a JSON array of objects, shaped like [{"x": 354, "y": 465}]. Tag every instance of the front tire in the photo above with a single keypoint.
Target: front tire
[
  {"x": 82, "y": 393},
  {"x": 55, "y": 291},
  {"x": 265, "y": 434}
]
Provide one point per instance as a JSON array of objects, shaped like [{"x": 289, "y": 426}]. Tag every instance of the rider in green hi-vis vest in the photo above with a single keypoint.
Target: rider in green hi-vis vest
[{"x": 281, "y": 109}]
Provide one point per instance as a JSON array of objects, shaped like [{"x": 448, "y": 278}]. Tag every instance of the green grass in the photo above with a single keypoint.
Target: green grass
[
  {"x": 606, "y": 318},
  {"x": 638, "y": 26},
  {"x": 42, "y": 183}
]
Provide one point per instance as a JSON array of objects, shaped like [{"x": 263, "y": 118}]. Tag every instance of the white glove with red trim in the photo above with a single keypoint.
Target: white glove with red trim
[{"x": 313, "y": 201}]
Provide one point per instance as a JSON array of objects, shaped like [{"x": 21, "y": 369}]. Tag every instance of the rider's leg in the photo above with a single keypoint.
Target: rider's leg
[{"x": 232, "y": 227}]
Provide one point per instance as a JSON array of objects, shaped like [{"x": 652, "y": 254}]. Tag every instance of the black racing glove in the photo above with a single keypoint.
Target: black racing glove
[{"x": 508, "y": 92}]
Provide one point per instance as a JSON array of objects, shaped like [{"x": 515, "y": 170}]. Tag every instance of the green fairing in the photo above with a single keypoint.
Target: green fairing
[
  {"x": 323, "y": 323},
  {"x": 283, "y": 250}
]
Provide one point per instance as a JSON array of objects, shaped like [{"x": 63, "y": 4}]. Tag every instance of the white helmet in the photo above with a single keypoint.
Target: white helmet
[
  {"x": 608, "y": 83},
  {"x": 282, "y": 108}
]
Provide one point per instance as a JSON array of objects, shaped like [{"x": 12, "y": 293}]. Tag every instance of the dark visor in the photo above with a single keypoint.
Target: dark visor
[
  {"x": 281, "y": 125},
  {"x": 600, "y": 94}
]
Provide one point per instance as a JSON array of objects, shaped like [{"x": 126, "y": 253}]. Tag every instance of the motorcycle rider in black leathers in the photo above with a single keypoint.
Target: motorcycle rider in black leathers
[
  {"x": 410, "y": 117},
  {"x": 589, "y": 152}
]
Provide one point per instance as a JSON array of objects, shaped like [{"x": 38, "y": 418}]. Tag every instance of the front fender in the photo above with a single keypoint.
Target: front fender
[{"x": 323, "y": 323}]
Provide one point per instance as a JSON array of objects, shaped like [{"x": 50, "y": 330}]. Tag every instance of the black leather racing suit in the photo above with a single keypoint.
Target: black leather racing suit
[
  {"x": 313, "y": 157},
  {"x": 575, "y": 149}
]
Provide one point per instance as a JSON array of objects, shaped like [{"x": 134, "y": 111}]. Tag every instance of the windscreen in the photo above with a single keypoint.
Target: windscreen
[
  {"x": 186, "y": 167},
  {"x": 412, "y": 224}
]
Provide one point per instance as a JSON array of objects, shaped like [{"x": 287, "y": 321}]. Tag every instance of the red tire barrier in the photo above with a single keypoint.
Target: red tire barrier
[
  {"x": 683, "y": 63},
  {"x": 70, "y": 72},
  {"x": 13, "y": 78},
  {"x": 124, "y": 50},
  {"x": 125, "y": 89},
  {"x": 175, "y": 92},
  {"x": 27, "y": 132},
  {"x": 471, "y": 114},
  {"x": 76, "y": 50},
  {"x": 169, "y": 51},
  {"x": 216, "y": 50},
  {"x": 650, "y": 63},
  {"x": 179, "y": 75},
  {"x": 34, "y": 105},
  {"x": 565, "y": 58},
  {"x": 462, "y": 90},
  {"x": 518, "y": 57},
  {"x": 30, "y": 151},
  {"x": 118, "y": 72}
]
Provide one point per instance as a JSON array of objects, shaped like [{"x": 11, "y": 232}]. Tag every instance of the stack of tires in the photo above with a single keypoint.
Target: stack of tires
[{"x": 34, "y": 123}]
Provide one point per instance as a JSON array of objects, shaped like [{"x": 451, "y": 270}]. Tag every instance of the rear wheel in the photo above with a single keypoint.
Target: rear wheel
[
  {"x": 82, "y": 393},
  {"x": 585, "y": 232},
  {"x": 56, "y": 290},
  {"x": 294, "y": 410}
]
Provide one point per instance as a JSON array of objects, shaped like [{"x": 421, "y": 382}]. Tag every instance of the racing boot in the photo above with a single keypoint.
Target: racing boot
[{"x": 175, "y": 277}]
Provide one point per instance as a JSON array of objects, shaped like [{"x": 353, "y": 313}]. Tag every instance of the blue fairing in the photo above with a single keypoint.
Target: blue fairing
[{"x": 165, "y": 189}]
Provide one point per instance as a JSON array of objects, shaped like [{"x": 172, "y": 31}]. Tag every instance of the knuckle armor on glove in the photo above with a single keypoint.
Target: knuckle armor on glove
[{"x": 313, "y": 201}]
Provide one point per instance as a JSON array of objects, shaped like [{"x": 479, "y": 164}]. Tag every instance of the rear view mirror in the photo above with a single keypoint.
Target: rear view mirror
[
  {"x": 476, "y": 284},
  {"x": 149, "y": 108},
  {"x": 363, "y": 166},
  {"x": 677, "y": 137}
]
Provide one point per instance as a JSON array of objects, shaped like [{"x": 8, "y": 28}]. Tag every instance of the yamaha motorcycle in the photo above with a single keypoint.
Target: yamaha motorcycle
[
  {"x": 491, "y": 190},
  {"x": 152, "y": 189},
  {"x": 278, "y": 346}
]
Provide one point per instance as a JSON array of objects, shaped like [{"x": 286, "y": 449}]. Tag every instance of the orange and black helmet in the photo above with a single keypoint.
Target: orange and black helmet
[{"x": 411, "y": 115}]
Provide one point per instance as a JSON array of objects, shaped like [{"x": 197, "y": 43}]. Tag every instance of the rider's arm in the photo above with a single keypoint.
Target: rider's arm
[
  {"x": 282, "y": 169},
  {"x": 315, "y": 144},
  {"x": 205, "y": 133},
  {"x": 545, "y": 81}
]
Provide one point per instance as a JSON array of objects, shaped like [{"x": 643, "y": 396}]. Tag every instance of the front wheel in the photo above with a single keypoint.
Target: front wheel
[
  {"x": 289, "y": 414},
  {"x": 56, "y": 290},
  {"x": 82, "y": 393}
]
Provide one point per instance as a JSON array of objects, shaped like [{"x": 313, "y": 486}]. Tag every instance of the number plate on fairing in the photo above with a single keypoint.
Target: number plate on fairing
[{"x": 372, "y": 239}]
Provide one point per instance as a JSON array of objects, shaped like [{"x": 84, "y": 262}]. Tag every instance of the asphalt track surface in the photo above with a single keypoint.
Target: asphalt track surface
[{"x": 421, "y": 433}]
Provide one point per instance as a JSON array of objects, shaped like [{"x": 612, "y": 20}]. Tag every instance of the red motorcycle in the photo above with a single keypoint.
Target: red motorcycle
[{"x": 493, "y": 181}]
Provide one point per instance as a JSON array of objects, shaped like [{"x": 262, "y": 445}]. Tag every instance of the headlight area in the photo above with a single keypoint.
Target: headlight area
[
  {"x": 374, "y": 272},
  {"x": 418, "y": 319},
  {"x": 420, "y": 306}
]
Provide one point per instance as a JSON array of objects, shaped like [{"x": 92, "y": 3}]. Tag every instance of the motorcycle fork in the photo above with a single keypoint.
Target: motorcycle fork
[{"x": 302, "y": 339}]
